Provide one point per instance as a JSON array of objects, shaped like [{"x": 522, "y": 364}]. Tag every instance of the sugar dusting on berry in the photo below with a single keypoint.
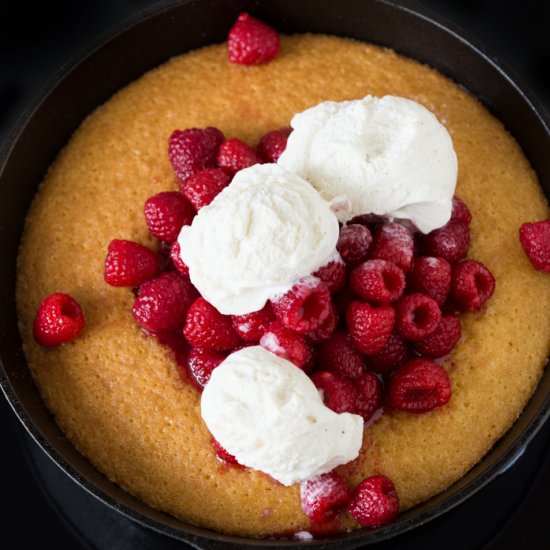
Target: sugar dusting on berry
[{"x": 271, "y": 343}]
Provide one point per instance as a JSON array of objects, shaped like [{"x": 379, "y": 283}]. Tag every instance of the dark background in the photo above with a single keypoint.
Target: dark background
[{"x": 35, "y": 39}]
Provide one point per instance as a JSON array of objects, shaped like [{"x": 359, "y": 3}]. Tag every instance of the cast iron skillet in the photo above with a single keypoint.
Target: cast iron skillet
[{"x": 175, "y": 27}]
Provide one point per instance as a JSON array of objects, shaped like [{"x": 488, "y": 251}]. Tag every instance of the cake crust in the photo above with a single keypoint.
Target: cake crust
[{"x": 119, "y": 395}]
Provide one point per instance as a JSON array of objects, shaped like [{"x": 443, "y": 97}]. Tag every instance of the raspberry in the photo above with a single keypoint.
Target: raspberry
[
  {"x": 472, "y": 284},
  {"x": 394, "y": 242},
  {"x": 535, "y": 239},
  {"x": 369, "y": 395},
  {"x": 206, "y": 327},
  {"x": 273, "y": 144},
  {"x": 322, "y": 496},
  {"x": 449, "y": 242},
  {"x": 337, "y": 355},
  {"x": 129, "y": 264},
  {"x": 443, "y": 340},
  {"x": 251, "y": 326},
  {"x": 175, "y": 256},
  {"x": 305, "y": 307},
  {"x": 166, "y": 213},
  {"x": 354, "y": 243},
  {"x": 224, "y": 456},
  {"x": 333, "y": 275},
  {"x": 193, "y": 150},
  {"x": 289, "y": 345},
  {"x": 369, "y": 327},
  {"x": 234, "y": 155},
  {"x": 162, "y": 303},
  {"x": 201, "y": 188},
  {"x": 326, "y": 330},
  {"x": 419, "y": 386},
  {"x": 59, "y": 319},
  {"x": 374, "y": 501},
  {"x": 393, "y": 353},
  {"x": 417, "y": 315},
  {"x": 460, "y": 212},
  {"x": 338, "y": 393},
  {"x": 378, "y": 281},
  {"x": 250, "y": 41},
  {"x": 431, "y": 276},
  {"x": 202, "y": 362}
]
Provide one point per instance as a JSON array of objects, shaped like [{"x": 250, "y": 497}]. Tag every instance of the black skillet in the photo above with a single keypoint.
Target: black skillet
[{"x": 171, "y": 28}]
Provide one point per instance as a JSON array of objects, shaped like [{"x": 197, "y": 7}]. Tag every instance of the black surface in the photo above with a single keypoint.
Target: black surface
[{"x": 32, "y": 44}]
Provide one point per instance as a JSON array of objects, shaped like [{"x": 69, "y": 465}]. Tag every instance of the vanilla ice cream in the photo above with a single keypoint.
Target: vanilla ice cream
[
  {"x": 268, "y": 414},
  {"x": 261, "y": 234},
  {"x": 388, "y": 156}
]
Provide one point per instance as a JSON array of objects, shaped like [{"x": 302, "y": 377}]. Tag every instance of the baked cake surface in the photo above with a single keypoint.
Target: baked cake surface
[{"x": 119, "y": 395}]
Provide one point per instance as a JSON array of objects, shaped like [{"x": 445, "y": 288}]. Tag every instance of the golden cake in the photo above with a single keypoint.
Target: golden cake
[{"x": 119, "y": 395}]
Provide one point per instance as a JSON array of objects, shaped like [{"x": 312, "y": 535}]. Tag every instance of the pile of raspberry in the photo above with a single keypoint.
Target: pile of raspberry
[{"x": 370, "y": 328}]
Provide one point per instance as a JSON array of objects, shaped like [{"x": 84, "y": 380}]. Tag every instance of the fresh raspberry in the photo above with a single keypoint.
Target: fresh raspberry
[
  {"x": 378, "y": 281},
  {"x": 472, "y": 284},
  {"x": 207, "y": 328},
  {"x": 535, "y": 239},
  {"x": 305, "y": 307},
  {"x": 202, "y": 362},
  {"x": 369, "y": 395},
  {"x": 201, "y": 188},
  {"x": 250, "y": 41},
  {"x": 374, "y": 501},
  {"x": 333, "y": 275},
  {"x": 393, "y": 353},
  {"x": 175, "y": 256},
  {"x": 369, "y": 327},
  {"x": 338, "y": 393},
  {"x": 289, "y": 345},
  {"x": 417, "y": 315},
  {"x": 418, "y": 386},
  {"x": 162, "y": 303},
  {"x": 251, "y": 326},
  {"x": 166, "y": 213},
  {"x": 59, "y": 319},
  {"x": 129, "y": 264},
  {"x": 394, "y": 243},
  {"x": 193, "y": 150},
  {"x": 443, "y": 340},
  {"x": 323, "y": 496},
  {"x": 234, "y": 155},
  {"x": 273, "y": 144},
  {"x": 460, "y": 212},
  {"x": 449, "y": 242},
  {"x": 326, "y": 330},
  {"x": 339, "y": 356},
  {"x": 225, "y": 456},
  {"x": 431, "y": 276},
  {"x": 354, "y": 243}
]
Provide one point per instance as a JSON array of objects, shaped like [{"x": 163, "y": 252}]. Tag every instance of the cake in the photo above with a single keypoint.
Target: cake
[{"x": 119, "y": 395}]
